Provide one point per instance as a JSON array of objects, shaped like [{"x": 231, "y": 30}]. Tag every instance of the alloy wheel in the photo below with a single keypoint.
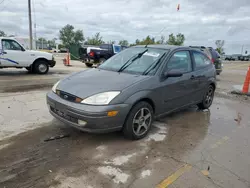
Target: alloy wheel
[
  {"x": 209, "y": 96},
  {"x": 142, "y": 121}
]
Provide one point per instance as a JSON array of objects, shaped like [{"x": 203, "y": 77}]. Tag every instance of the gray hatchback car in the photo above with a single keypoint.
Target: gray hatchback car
[{"x": 133, "y": 87}]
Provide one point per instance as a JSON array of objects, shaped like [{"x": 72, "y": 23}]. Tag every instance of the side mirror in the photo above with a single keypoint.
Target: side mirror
[{"x": 173, "y": 73}]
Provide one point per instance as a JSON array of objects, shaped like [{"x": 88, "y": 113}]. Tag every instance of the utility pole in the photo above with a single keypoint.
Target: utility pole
[
  {"x": 30, "y": 25},
  {"x": 35, "y": 35}
]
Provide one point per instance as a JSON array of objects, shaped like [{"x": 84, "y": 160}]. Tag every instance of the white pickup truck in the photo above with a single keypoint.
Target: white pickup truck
[{"x": 13, "y": 54}]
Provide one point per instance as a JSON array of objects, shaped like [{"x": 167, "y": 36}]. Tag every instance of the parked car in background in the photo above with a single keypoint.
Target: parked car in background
[
  {"x": 63, "y": 50},
  {"x": 243, "y": 58},
  {"x": 230, "y": 58},
  {"x": 54, "y": 50},
  {"x": 213, "y": 56},
  {"x": 216, "y": 59},
  {"x": 13, "y": 54},
  {"x": 100, "y": 54},
  {"x": 83, "y": 54},
  {"x": 133, "y": 87}
]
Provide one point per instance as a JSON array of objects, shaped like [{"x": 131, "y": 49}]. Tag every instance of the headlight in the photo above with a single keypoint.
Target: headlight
[
  {"x": 101, "y": 98},
  {"x": 55, "y": 86}
]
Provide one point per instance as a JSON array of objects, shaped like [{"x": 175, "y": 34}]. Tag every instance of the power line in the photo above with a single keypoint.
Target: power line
[{"x": 4, "y": 6}]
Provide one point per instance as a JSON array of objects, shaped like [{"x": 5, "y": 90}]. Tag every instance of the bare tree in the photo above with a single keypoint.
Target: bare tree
[
  {"x": 162, "y": 41},
  {"x": 219, "y": 44}
]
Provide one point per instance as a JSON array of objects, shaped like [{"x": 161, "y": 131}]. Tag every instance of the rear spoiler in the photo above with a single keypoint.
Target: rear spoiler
[{"x": 197, "y": 47}]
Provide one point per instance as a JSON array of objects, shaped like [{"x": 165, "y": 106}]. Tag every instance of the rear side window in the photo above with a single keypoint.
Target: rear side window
[
  {"x": 106, "y": 47},
  {"x": 209, "y": 54},
  {"x": 180, "y": 61},
  {"x": 201, "y": 60}
]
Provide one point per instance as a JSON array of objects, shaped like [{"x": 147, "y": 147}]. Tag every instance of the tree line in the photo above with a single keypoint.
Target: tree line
[{"x": 68, "y": 35}]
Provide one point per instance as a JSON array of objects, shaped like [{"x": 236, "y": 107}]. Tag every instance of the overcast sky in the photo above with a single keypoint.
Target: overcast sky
[{"x": 202, "y": 21}]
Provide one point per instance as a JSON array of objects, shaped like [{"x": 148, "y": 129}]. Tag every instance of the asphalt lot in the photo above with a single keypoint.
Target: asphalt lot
[{"x": 189, "y": 148}]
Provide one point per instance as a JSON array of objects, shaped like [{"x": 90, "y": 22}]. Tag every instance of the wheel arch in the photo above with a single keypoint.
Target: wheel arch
[
  {"x": 40, "y": 59},
  {"x": 137, "y": 97},
  {"x": 145, "y": 99},
  {"x": 213, "y": 84}
]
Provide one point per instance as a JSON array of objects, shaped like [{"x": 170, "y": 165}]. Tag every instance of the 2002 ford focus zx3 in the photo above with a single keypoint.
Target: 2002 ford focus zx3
[{"x": 133, "y": 87}]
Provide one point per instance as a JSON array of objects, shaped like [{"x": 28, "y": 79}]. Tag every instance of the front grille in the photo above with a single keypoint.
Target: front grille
[
  {"x": 63, "y": 115},
  {"x": 66, "y": 96}
]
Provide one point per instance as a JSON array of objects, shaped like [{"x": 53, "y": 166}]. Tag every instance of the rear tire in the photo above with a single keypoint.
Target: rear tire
[
  {"x": 89, "y": 64},
  {"x": 41, "y": 67},
  {"x": 139, "y": 121},
  {"x": 207, "y": 98}
]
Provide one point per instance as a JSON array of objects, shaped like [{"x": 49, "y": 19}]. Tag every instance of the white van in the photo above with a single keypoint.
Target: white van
[{"x": 13, "y": 54}]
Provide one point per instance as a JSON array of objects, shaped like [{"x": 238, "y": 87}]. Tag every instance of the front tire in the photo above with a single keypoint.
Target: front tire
[
  {"x": 41, "y": 67},
  {"x": 139, "y": 121},
  {"x": 102, "y": 60},
  {"x": 89, "y": 64},
  {"x": 207, "y": 98}
]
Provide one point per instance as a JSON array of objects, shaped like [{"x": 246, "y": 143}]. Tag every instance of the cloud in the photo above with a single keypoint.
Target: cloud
[{"x": 202, "y": 22}]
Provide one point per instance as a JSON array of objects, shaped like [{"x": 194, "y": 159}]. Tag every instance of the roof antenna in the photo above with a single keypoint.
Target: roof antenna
[{"x": 156, "y": 35}]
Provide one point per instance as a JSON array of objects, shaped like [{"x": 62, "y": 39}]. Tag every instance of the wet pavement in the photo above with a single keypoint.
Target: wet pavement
[
  {"x": 195, "y": 148},
  {"x": 18, "y": 80}
]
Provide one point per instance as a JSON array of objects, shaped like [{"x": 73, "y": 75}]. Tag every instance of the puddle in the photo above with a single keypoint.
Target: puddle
[{"x": 24, "y": 88}]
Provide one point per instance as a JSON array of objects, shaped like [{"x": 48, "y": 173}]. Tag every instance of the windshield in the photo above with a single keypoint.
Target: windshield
[{"x": 138, "y": 65}]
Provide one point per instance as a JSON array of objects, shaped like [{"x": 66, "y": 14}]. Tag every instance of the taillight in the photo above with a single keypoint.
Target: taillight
[
  {"x": 212, "y": 60},
  {"x": 91, "y": 54}
]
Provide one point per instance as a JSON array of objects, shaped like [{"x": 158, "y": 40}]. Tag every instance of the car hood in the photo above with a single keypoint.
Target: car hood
[{"x": 92, "y": 81}]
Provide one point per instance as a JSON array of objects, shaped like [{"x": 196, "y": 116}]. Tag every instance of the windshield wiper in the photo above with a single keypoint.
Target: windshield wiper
[
  {"x": 131, "y": 60},
  {"x": 155, "y": 65}
]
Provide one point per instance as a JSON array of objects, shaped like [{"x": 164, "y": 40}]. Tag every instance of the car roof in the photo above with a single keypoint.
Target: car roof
[
  {"x": 162, "y": 46},
  {"x": 203, "y": 47},
  {"x": 7, "y": 38}
]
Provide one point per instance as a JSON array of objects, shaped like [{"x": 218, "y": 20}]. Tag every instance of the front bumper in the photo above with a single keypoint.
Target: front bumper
[
  {"x": 52, "y": 63},
  {"x": 218, "y": 71},
  {"x": 95, "y": 117},
  {"x": 218, "y": 66}
]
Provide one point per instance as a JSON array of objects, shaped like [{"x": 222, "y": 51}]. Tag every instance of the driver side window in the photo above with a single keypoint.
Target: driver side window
[
  {"x": 11, "y": 45},
  {"x": 180, "y": 61}
]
